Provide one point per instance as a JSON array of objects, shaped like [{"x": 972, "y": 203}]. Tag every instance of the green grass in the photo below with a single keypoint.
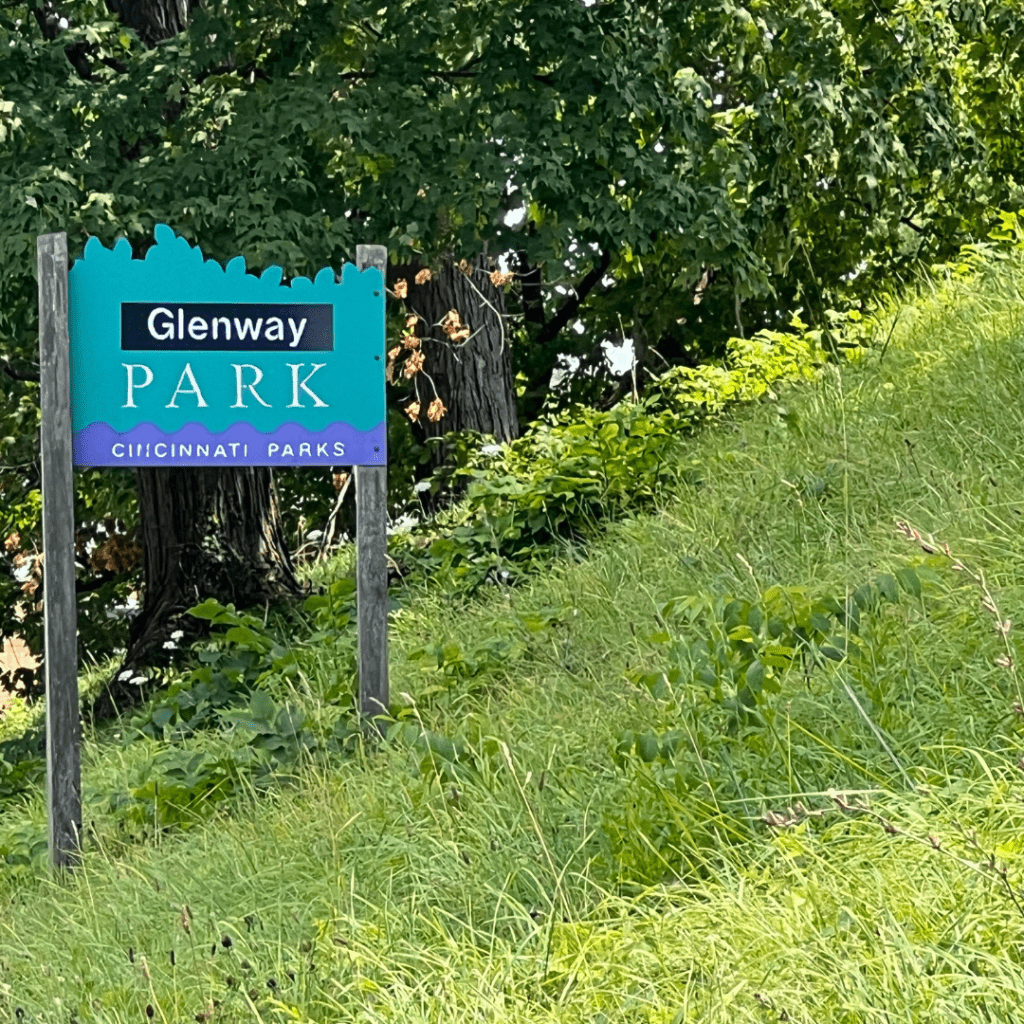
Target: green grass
[{"x": 849, "y": 852}]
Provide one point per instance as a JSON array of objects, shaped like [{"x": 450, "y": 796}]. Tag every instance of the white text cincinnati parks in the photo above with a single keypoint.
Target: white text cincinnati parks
[
  {"x": 247, "y": 379},
  {"x": 190, "y": 449}
]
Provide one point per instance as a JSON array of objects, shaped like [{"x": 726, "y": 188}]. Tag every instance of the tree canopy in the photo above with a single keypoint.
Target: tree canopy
[
  {"x": 656, "y": 142},
  {"x": 677, "y": 173}
]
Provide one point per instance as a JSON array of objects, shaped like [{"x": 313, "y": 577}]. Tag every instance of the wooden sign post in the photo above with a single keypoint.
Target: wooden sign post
[
  {"x": 371, "y": 557},
  {"x": 60, "y": 609},
  {"x": 174, "y": 360}
]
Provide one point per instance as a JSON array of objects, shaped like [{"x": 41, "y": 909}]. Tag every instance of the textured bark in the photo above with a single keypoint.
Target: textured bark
[
  {"x": 205, "y": 533},
  {"x": 153, "y": 20},
  {"x": 473, "y": 378}
]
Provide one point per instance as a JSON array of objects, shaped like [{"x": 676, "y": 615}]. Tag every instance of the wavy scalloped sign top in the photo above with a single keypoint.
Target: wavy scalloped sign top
[{"x": 178, "y": 361}]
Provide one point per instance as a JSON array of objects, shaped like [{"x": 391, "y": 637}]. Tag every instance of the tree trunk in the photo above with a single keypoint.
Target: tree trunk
[
  {"x": 472, "y": 376},
  {"x": 205, "y": 533},
  {"x": 153, "y": 19}
]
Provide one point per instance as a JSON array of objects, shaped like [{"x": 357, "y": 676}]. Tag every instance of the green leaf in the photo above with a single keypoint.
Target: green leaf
[
  {"x": 262, "y": 707},
  {"x": 820, "y": 623},
  {"x": 647, "y": 747},
  {"x": 777, "y": 656},
  {"x": 909, "y": 581},
  {"x": 245, "y": 636},
  {"x": 209, "y": 609},
  {"x": 887, "y": 588},
  {"x": 289, "y": 721},
  {"x": 754, "y": 677}
]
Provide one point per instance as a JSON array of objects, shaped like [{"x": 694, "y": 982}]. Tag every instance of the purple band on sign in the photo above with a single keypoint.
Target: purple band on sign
[{"x": 240, "y": 445}]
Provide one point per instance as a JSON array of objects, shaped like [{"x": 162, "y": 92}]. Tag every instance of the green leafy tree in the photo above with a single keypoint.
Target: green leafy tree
[{"x": 673, "y": 173}]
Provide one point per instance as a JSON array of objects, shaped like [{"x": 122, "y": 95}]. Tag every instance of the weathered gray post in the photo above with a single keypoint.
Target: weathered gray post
[
  {"x": 63, "y": 722},
  {"x": 371, "y": 557}
]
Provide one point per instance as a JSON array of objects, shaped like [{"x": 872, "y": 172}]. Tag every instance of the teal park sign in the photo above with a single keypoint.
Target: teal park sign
[{"x": 178, "y": 361}]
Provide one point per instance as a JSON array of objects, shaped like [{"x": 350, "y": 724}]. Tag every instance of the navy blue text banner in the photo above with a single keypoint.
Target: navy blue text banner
[{"x": 226, "y": 327}]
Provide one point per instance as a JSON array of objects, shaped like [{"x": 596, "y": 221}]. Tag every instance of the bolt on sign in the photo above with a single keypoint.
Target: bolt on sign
[{"x": 178, "y": 361}]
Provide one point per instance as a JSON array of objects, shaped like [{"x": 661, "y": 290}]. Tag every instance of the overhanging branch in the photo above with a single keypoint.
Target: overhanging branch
[
  {"x": 10, "y": 371},
  {"x": 870, "y": 209},
  {"x": 572, "y": 304}
]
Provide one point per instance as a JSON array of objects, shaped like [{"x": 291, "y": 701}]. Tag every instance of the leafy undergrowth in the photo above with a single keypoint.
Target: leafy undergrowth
[
  {"x": 750, "y": 756},
  {"x": 576, "y": 470},
  {"x": 565, "y": 478}
]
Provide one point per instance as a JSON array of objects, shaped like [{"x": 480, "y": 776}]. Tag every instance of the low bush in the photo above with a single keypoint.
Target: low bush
[{"x": 581, "y": 467}]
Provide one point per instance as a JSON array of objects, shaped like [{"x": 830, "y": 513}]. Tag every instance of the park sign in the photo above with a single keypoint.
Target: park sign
[
  {"x": 178, "y": 361},
  {"x": 173, "y": 360}
]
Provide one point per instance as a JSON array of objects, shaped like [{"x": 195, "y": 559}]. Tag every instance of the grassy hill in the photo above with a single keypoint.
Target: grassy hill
[{"x": 755, "y": 756}]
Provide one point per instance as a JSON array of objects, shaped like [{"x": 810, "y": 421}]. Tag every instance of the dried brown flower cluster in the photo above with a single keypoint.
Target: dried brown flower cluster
[
  {"x": 119, "y": 553},
  {"x": 34, "y": 564},
  {"x": 389, "y": 369},
  {"x": 435, "y": 411},
  {"x": 413, "y": 364},
  {"x": 453, "y": 326},
  {"x": 15, "y": 655}
]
